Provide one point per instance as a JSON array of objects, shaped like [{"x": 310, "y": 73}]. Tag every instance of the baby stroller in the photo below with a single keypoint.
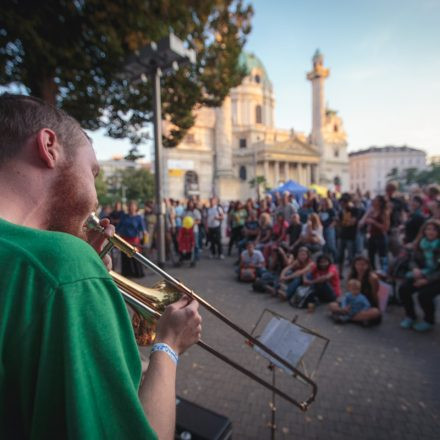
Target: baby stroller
[{"x": 186, "y": 242}]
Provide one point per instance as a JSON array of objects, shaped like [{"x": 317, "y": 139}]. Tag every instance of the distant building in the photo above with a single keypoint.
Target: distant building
[
  {"x": 370, "y": 169},
  {"x": 113, "y": 168},
  {"x": 230, "y": 145}
]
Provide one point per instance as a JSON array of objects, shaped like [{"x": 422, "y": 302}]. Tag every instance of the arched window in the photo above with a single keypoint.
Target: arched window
[
  {"x": 257, "y": 79},
  {"x": 258, "y": 115},
  {"x": 191, "y": 184},
  {"x": 243, "y": 173}
]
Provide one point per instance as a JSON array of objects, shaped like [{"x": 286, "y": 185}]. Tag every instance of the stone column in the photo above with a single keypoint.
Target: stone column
[
  {"x": 276, "y": 165},
  {"x": 223, "y": 139}
]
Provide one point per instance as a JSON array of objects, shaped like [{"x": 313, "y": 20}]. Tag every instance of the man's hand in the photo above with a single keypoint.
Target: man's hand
[
  {"x": 97, "y": 239},
  {"x": 180, "y": 325}
]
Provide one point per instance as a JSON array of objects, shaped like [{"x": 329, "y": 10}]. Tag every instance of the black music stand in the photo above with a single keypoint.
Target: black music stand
[{"x": 310, "y": 337}]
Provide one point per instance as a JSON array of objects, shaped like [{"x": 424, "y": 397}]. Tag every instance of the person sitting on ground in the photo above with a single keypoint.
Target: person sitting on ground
[
  {"x": 264, "y": 231},
  {"x": 323, "y": 280},
  {"x": 251, "y": 263},
  {"x": 362, "y": 271},
  {"x": 294, "y": 230},
  {"x": 279, "y": 233},
  {"x": 292, "y": 275},
  {"x": 353, "y": 306},
  {"x": 311, "y": 235},
  {"x": 424, "y": 278}
]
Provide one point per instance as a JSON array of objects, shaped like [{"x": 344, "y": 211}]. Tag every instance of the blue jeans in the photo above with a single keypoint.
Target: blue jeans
[
  {"x": 330, "y": 241},
  {"x": 346, "y": 244},
  {"x": 292, "y": 286}
]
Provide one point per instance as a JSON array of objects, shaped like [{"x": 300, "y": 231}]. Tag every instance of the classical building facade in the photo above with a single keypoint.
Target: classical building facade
[
  {"x": 370, "y": 168},
  {"x": 231, "y": 145}
]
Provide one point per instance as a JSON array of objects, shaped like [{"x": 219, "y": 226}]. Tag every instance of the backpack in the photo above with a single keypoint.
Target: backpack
[{"x": 301, "y": 297}]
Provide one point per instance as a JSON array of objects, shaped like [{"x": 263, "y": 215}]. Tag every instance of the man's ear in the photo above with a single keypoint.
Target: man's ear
[{"x": 48, "y": 147}]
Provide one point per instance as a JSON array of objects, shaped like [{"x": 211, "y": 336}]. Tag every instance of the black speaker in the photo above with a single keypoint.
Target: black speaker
[{"x": 194, "y": 422}]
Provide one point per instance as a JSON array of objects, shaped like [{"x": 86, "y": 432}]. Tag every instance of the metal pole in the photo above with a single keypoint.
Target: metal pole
[{"x": 159, "y": 207}]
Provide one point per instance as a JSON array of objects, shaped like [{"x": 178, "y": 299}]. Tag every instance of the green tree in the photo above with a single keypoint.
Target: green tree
[
  {"x": 138, "y": 184},
  {"x": 257, "y": 182},
  {"x": 72, "y": 52},
  {"x": 102, "y": 189}
]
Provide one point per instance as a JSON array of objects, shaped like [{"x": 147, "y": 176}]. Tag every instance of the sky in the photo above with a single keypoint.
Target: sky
[{"x": 384, "y": 60}]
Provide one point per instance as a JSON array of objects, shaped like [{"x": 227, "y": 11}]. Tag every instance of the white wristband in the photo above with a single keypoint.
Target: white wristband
[{"x": 160, "y": 346}]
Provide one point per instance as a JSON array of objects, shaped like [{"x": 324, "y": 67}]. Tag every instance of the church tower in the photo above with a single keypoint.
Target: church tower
[{"x": 317, "y": 76}]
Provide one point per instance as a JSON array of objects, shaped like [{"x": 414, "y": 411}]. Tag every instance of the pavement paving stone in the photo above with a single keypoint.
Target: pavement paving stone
[{"x": 373, "y": 383}]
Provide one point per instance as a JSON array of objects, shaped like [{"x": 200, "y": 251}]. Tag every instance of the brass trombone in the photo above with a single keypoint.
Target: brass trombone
[{"x": 150, "y": 302}]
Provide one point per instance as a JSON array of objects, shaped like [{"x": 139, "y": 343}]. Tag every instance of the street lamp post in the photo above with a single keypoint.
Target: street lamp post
[{"x": 167, "y": 54}]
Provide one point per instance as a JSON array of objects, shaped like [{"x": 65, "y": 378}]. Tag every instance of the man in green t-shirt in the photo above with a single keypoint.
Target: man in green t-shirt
[{"x": 69, "y": 365}]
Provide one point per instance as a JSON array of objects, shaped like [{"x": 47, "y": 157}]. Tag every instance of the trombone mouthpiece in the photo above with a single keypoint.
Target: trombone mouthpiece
[{"x": 92, "y": 223}]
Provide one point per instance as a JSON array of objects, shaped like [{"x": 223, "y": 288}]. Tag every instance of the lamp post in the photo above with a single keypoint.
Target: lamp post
[{"x": 152, "y": 60}]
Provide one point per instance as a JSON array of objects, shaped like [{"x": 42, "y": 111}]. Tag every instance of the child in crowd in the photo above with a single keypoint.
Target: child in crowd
[
  {"x": 352, "y": 305},
  {"x": 186, "y": 241}
]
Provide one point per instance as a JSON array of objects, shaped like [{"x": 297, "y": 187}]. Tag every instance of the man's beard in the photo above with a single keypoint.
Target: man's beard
[{"x": 70, "y": 204}]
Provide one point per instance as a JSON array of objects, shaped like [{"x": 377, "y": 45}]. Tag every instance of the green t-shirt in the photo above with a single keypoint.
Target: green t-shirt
[{"x": 69, "y": 365}]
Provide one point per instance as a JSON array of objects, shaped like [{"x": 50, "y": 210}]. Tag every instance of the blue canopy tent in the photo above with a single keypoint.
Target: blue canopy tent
[{"x": 292, "y": 187}]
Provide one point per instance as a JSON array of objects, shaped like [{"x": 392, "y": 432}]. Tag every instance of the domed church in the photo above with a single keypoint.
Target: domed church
[{"x": 231, "y": 145}]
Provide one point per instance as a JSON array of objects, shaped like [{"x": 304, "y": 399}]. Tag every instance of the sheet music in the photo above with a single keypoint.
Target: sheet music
[{"x": 287, "y": 340}]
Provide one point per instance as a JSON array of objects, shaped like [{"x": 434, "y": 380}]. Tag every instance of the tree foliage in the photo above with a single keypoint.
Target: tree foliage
[
  {"x": 72, "y": 53},
  {"x": 138, "y": 183},
  {"x": 410, "y": 176}
]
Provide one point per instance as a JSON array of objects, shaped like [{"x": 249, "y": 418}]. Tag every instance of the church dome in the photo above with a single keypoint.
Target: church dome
[{"x": 251, "y": 62}]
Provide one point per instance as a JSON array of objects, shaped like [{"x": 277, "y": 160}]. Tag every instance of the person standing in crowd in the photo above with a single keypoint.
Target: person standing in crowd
[
  {"x": 193, "y": 212},
  {"x": 132, "y": 229},
  {"x": 215, "y": 216},
  {"x": 377, "y": 220},
  {"x": 414, "y": 221},
  {"x": 424, "y": 278},
  {"x": 250, "y": 231},
  {"x": 348, "y": 222},
  {"x": 116, "y": 214},
  {"x": 237, "y": 216},
  {"x": 285, "y": 207},
  {"x": 327, "y": 216},
  {"x": 397, "y": 208},
  {"x": 70, "y": 365}
]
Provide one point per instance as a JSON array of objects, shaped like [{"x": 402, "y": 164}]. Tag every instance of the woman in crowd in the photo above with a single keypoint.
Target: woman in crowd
[
  {"x": 237, "y": 215},
  {"x": 361, "y": 270},
  {"x": 323, "y": 281},
  {"x": 279, "y": 233},
  {"x": 424, "y": 278},
  {"x": 312, "y": 234},
  {"x": 292, "y": 275},
  {"x": 132, "y": 228},
  {"x": 116, "y": 214},
  {"x": 327, "y": 216},
  {"x": 264, "y": 232},
  {"x": 377, "y": 220}
]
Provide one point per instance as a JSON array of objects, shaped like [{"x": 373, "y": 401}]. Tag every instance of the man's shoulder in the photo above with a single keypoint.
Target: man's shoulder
[{"x": 62, "y": 257}]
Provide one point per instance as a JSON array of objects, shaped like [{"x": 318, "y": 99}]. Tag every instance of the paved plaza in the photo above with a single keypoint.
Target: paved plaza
[{"x": 373, "y": 383}]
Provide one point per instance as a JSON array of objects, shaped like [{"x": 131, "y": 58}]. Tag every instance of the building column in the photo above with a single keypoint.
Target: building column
[
  {"x": 266, "y": 170},
  {"x": 276, "y": 165}
]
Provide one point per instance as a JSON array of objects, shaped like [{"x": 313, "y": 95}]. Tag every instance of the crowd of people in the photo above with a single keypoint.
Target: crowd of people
[{"x": 337, "y": 249}]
